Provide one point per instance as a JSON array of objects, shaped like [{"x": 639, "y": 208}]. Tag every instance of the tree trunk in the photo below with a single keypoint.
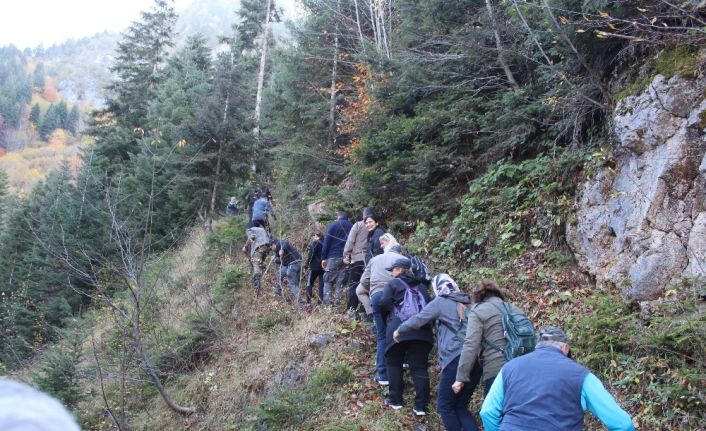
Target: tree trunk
[
  {"x": 357, "y": 23},
  {"x": 334, "y": 90},
  {"x": 260, "y": 84},
  {"x": 499, "y": 45}
]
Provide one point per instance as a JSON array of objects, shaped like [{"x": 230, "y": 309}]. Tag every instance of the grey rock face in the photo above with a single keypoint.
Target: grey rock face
[{"x": 642, "y": 224}]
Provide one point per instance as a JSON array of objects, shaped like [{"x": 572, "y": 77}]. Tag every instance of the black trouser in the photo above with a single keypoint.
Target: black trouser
[
  {"x": 355, "y": 271},
  {"x": 416, "y": 354},
  {"x": 313, "y": 275}
]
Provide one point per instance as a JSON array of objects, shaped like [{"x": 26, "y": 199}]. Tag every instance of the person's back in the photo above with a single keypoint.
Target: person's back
[
  {"x": 379, "y": 275},
  {"x": 261, "y": 208},
  {"x": 335, "y": 239},
  {"x": 543, "y": 392}
]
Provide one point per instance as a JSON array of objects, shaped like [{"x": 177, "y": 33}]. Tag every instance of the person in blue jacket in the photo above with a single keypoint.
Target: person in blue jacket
[
  {"x": 547, "y": 391},
  {"x": 332, "y": 257},
  {"x": 260, "y": 211}
]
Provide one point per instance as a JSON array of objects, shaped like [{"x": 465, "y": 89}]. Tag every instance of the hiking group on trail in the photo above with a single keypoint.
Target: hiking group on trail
[{"x": 530, "y": 381}]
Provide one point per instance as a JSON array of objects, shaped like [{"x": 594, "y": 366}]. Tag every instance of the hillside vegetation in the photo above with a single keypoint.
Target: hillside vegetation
[{"x": 469, "y": 126}]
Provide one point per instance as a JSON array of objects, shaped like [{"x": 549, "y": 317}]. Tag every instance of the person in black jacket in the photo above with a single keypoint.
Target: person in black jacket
[
  {"x": 316, "y": 271},
  {"x": 413, "y": 346},
  {"x": 375, "y": 231},
  {"x": 290, "y": 262}
]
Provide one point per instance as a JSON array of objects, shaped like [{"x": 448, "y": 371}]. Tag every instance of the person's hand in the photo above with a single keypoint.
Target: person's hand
[
  {"x": 347, "y": 260},
  {"x": 396, "y": 336},
  {"x": 245, "y": 249},
  {"x": 457, "y": 386},
  {"x": 323, "y": 264}
]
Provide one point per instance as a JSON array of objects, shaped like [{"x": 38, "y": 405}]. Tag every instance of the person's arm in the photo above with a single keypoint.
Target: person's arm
[
  {"x": 365, "y": 278},
  {"x": 350, "y": 241},
  {"x": 386, "y": 301},
  {"x": 492, "y": 410},
  {"x": 327, "y": 243},
  {"x": 471, "y": 347},
  {"x": 601, "y": 403},
  {"x": 432, "y": 311}
]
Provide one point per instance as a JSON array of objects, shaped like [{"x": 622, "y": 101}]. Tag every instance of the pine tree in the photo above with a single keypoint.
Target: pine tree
[
  {"x": 50, "y": 122},
  {"x": 72, "y": 120},
  {"x": 62, "y": 115},
  {"x": 38, "y": 76},
  {"x": 35, "y": 115}
]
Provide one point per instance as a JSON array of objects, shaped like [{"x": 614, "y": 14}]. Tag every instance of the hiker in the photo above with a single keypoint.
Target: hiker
[
  {"x": 372, "y": 284},
  {"x": 316, "y": 271},
  {"x": 265, "y": 193},
  {"x": 250, "y": 199},
  {"x": 290, "y": 265},
  {"x": 260, "y": 211},
  {"x": 332, "y": 257},
  {"x": 374, "y": 233},
  {"x": 259, "y": 242},
  {"x": 354, "y": 256},
  {"x": 413, "y": 346},
  {"x": 232, "y": 207},
  {"x": 23, "y": 408},
  {"x": 545, "y": 390},
  {"x": 447, "y": 310},
  {"x": 484, "y": 327}
]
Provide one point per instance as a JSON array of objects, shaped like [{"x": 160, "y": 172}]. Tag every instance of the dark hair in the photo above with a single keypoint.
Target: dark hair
[
  {"x": 372, "y": 216},
  {"x": 342, "y": 214},
  {"x": 485, "y": 289}
]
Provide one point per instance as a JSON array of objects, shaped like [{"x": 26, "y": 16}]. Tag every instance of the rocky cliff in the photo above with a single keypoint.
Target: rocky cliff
[{"x": 641, "y": 220}]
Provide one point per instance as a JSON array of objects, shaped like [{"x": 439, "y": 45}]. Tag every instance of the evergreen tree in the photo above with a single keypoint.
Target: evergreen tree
[
  {"x": 38, "y": 76},
  {"x": 62, "y": 115},
  {"x": 35, "y": 115},
  {"x": 50, "y": 122},
  {"x": 15, "y": 87},
  {"x": 72, "y": 120}
]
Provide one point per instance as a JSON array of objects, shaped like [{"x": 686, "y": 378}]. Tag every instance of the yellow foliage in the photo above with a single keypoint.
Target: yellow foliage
[{"x": 50, "y": 93}]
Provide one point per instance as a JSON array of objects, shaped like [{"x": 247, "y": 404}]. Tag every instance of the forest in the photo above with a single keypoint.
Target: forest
[{"x": 470, "y": 126}]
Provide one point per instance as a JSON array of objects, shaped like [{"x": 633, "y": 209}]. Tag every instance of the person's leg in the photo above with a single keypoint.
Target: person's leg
[
  {"x": 320, "y": 275},
  {"x": 340, "y": 280},
  {"x": 394, "y": 358},
  {"x": 279, "y": 275},
  {"x": 463, "y": 399},
  {"x": 364, "y": 297},
  {"x": 446, "y": 398},
  {"x": 418, "y": 360},
  {"x": 381, "y": 333},
  {"x": 256, "y": 259},
  {"x": 293, "y": 271},
  {"x": 486, "y": 385},
  {"x": 355, "y": 271},
  {"x": 329, "y": 280},
  {"x": 309, "y": 283}
]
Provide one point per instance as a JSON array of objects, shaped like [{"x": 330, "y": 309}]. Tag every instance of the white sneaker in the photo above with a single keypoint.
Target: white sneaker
[{"x": 419, "y": 412}]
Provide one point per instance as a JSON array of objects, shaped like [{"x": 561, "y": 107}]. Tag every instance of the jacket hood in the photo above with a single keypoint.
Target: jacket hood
[{"x": 461, "y": 297}]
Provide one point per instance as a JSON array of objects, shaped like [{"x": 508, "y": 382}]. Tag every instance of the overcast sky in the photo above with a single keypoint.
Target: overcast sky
[{"x": 27, "y": 23}]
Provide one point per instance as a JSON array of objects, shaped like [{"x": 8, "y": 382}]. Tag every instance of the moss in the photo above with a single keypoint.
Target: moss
[{"x": 681, "y": 61}]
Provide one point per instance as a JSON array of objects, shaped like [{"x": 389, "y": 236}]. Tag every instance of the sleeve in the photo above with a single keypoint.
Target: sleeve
[
  {"x": 492, "y": 410},
  {"x": 431, "y": 312},
  {"x": 327, "y": 242},
  {"x": 386, "y": 301},
  {"x": 471, "y": 347},
  {"x": 348, "y": 247},
  {"x": 365, "y": 278},
  {"x": 601, "y": 403}
]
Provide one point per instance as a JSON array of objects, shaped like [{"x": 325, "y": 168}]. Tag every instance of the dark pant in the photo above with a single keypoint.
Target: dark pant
[
  {"x": 355, "y": 271},
  {"x": 416, "y": 354},
  {"x": 313, "y": 275},
  {"x": 452, "y": 407},
  {"x": 486, "y": 386}
]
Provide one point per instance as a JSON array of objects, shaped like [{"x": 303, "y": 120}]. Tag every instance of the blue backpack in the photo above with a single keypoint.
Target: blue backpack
[{"x": 412, "y": 303}]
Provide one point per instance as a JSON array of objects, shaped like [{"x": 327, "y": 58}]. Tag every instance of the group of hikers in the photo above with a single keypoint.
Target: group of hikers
[{"x": 528, "y": 385}]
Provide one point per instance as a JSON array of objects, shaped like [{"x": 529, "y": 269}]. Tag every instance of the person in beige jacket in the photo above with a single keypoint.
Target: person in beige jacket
[
  {"x": 354, "y": 257},
  {"x": 484, "y": 323}
]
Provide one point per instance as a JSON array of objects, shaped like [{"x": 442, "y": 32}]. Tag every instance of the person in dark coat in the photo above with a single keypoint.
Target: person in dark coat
[
  {"x": 316, "y": 271},
  {"x": 290, "y": 262},
  {"x": 250, "y": 199},
  {"x": 447, "y": 311},
  {"x": 413, "y": 346},
  {"x": 374, "y": 233},
  {"x": 332, "y": 257}
]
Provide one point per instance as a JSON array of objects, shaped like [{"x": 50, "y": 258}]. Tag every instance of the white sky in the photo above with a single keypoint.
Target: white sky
[{"x": 27, "y": 23}]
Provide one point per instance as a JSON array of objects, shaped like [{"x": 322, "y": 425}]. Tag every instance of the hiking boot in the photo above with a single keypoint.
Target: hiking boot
[
  {"x": 381, "y": 380},
  {"x": 388, "y": 402},
  {"x": 419, "y": 412}
]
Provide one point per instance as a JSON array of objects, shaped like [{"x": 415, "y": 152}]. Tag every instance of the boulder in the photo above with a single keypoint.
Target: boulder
[{"x": 640, "y": 224}]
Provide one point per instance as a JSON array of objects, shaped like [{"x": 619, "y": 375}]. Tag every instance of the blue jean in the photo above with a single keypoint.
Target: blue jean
[
  {"x": 333, "y": 280},
  {"x": 290, "y": 271},
  {"x": 381, "y": 333},
  {"x": 452, "y": 407}
]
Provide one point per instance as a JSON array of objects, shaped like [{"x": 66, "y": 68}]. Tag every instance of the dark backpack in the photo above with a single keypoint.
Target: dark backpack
[
  {"x": 517, "y": 328},
  {"x": 412, "y": 303},
  {"x": 419, "y": 269}
]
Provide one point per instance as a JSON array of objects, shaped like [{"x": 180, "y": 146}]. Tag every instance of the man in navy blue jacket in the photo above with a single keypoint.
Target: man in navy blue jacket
[{"x": 332, "y": 257}]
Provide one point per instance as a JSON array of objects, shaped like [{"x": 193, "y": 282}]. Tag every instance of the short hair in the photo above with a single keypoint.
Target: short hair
[
  {"x": 342, "y": 214},
  {"x": 485, "y": 289},
  {"x": 23, "y": 408}
]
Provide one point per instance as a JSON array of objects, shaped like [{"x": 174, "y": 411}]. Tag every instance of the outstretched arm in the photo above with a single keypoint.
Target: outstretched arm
[{"x": 601, "y": 403}]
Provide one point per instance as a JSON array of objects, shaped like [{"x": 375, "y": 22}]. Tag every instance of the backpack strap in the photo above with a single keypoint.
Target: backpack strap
[{"x": 503, "y": 310}]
